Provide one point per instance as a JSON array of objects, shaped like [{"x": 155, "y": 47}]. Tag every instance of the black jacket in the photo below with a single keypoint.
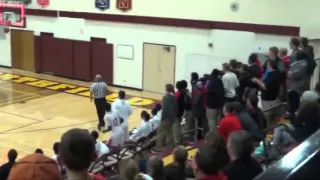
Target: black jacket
[
  {"x": 5, "y": 170},
  {"x": 215, "y": 94},
  {"x": 242, "y": 169},
  {"x": 254, "y": 71}
]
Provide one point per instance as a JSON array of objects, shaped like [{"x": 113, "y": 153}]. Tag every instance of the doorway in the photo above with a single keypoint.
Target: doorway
[
  {"x": 158, "y": 66},
  {"x": 22, "y": 50}
]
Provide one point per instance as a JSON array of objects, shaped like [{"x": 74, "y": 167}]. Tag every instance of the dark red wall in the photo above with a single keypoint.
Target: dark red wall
[{"x": 74, "y": 59}]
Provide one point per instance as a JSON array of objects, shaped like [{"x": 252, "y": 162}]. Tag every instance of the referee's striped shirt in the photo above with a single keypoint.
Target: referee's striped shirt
[{"x": 99, "y": 89}]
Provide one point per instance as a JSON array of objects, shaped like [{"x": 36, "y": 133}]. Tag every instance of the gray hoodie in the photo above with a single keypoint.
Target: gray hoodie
[{"x": 297, "y": 78}]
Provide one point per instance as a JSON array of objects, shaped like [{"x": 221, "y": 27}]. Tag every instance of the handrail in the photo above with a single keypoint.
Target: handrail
[{"x": 288, "y": 167}]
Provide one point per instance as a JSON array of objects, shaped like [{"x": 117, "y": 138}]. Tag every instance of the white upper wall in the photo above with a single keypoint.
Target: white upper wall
[{"x": 275, "y": 12}]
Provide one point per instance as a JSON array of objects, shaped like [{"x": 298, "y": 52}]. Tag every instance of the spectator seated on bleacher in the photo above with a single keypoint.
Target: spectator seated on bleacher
[
  {"x": 77, "y": 151},
  {"x": 255, "y": 112},
  {"x": 247, "y": 122},
  {"x": 100, "y": 147},
  {"x": 177, "y": 169},
  {"x": 132, "y": 172},
  {"x": 242, "y": 165},
  {"x": 144, "y": 129},
  {"x": 307, "y": 122}
]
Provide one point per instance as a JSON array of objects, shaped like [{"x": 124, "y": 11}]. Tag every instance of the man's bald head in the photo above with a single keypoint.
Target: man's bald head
[
  {"x": 180, "y": 155},
  {"x": 98, "y": 78}
]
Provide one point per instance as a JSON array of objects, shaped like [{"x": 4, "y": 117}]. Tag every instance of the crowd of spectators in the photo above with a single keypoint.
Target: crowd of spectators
[{"x": 224, "y": 104}]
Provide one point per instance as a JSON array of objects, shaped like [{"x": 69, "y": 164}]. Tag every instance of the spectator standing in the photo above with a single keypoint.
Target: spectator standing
[
  {"x": 177, "y": 170},
  {"x": 230, "y": 83},
  {"x": 244, "y": 80},
  {"x": 234, "y": 67},
  {"x": 294, "y": 45},
  {"x": 242, "y": 165},
  {"x": 214, "y": 95},
  {"x": 185, "y": 104},
  {"x": 286, "y": 61},
  {"x": 98, "y": 92},
  {"x": 310, "y": 58},
  {"x": 168, "y": 118},
  {"x": 206, "y": 164},
  {"x": 270, "y": 85},
  {"x": 255, "y": 72},
  {"x": 230, "y": 122},
  {"x": 194, "y": 80},
  {"x": 297, "y": 82},
  {"x": 198, "y": 106},
  {"x": 306, "y": 47},
  {"x": 77, "y": 151},
  {"x": 5, "y": 168}
]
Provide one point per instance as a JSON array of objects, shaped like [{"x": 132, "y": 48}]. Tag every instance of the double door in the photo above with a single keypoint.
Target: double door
[{"x": 158, "y": 67}]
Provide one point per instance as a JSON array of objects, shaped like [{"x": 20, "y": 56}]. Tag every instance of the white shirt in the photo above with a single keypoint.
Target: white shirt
[
  {"x": 230, "y": 83},
  {"x": 143, "y": 131},
  {"x": 124, "y": 109},
  {"x": 155, "y": 120},
  {"x": 101, "y": 149}
]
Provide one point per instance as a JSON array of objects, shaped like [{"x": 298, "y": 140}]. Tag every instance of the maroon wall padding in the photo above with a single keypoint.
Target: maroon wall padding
[
  {"x": 95, "y": 39},
  {"x": 37, "y": 54},
  {"x": 57, "y": 56},
  {"x": 102, "y": 60},
  {"x": 81, "y": 60}
]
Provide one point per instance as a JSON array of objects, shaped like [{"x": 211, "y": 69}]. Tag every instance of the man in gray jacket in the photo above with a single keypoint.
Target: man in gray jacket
[
  {"x": 168, "y": 119},
  {"x": 297, "y": 82}
]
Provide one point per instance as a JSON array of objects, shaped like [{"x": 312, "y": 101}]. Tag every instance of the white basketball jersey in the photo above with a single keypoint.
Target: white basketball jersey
[
  {"x": 124, "y": 109},
  {"x": 117, "y": 138}
]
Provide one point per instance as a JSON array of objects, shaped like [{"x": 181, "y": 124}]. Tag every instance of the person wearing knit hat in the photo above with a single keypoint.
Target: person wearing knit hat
[{"x": 35, "y": 167}]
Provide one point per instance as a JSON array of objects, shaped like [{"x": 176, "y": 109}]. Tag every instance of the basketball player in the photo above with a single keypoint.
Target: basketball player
[
  {"x": 113, "y": 119},
  {"x": 125, "y": 110},
  {"x": 156, "y": 117},
  {"x": 145, "y": 128}
]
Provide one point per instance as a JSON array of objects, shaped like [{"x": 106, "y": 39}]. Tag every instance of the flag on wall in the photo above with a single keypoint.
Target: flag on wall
[
  {"x": 102, "y": 4},
  {"x": 43, "y": 3},
  {"x": 124, "y": 5}
]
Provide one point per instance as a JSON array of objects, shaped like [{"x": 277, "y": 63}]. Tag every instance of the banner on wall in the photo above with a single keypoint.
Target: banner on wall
[
  {"x": 102, "y": 4},
  {"x": 124, "y": 5},
  {"x": 43, "y": 3}
]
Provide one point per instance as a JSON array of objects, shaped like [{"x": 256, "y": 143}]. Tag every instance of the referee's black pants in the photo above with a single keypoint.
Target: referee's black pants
[{"x": 101, "y": 109}]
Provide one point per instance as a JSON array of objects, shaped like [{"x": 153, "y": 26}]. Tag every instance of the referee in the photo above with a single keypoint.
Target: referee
[{"x": 98, "y": 91}]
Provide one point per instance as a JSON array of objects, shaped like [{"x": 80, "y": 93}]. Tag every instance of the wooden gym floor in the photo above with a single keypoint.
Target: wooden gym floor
[{"x": 36, "y": 109}]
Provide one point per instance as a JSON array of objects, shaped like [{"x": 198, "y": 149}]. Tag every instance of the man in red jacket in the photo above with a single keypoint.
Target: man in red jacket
[{"x": 230, "y": 122}]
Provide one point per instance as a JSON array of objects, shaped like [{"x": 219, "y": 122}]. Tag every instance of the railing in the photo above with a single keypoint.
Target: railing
[{"x": 302, "y": 163}]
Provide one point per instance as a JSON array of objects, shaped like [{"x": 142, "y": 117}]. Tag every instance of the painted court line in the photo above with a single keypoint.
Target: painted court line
[{"x": 72, "y": 89}]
